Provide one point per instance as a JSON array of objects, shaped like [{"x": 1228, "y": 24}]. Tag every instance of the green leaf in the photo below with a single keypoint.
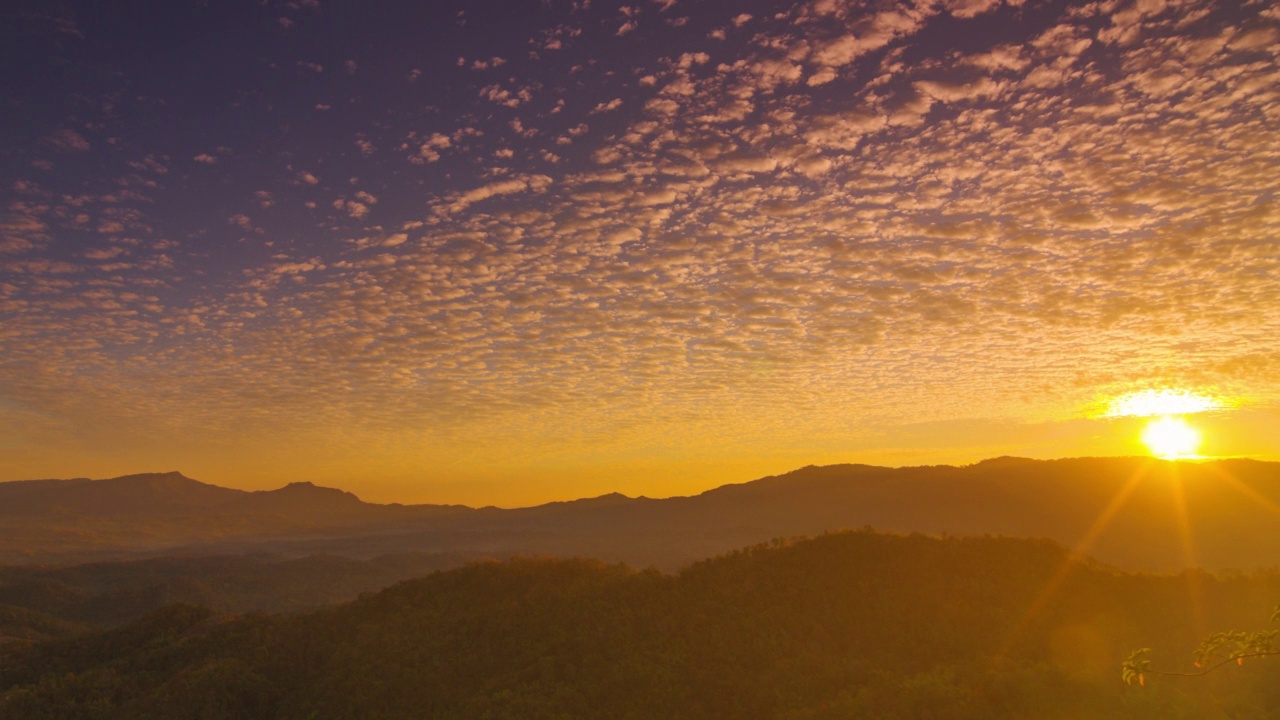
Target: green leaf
[{"x": 1135, "y": 668}]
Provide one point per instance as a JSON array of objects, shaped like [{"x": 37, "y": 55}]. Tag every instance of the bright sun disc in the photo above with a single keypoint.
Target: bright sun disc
[{"x": 1171, "y": 438}]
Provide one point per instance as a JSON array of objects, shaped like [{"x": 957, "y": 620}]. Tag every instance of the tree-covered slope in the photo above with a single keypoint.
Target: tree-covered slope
[
  {"x": 99, "y": 595},
  {"x": 846, "y": 625}
]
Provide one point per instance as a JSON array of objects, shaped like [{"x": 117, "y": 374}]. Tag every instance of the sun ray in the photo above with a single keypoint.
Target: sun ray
[
  {"x": 1074, "y": 558},
  {"x": 1178, "y": 494},
  {"x": 1241, "y": 487}
]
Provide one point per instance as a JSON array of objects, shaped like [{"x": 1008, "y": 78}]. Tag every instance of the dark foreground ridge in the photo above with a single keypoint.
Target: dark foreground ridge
[
  {"x": 846, "y": 625},
  {"x": 1170, "y": 516}
]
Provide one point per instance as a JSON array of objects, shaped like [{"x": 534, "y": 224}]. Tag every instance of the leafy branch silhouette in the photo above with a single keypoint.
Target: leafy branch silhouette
[{"x": 1215, "y": 651}]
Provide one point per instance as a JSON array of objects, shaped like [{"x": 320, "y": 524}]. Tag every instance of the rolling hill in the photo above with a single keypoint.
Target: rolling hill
[{"x": 846, "y": 625}]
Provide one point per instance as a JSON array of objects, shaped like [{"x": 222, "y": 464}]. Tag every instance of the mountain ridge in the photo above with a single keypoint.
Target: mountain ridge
[
  {"x": 614, "y": 497},
  {"x": 1228, "y": 508}
]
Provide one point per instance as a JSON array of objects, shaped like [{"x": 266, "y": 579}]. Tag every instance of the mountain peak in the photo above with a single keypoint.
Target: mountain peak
[
  {"x": 170, "y": 475},
  {"x": 302, "y": 496},
  {"x": 142, "y": 494},
  {"x": 1003, "y": 460},
  {"x": 312, "y": 489},
  {"x": 613, "y": 498}
]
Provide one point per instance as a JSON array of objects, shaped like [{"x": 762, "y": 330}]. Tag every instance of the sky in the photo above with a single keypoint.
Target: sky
[{"x": 518, "y": 251}]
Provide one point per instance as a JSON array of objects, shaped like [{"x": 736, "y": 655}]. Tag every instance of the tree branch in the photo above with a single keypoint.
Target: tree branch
[{"x": 1211, "y": 668}]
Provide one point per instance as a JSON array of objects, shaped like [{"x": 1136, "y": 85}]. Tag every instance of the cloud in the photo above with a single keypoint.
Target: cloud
[
  {"x": 535, "y": 183},
  {"x": 844, "y": 131},
  {"x": 814, "y": 166},
  {"x": 821, "y": 77},
  {"x": 296, "y": 268},
  {"x": 744, "y": 163},
  {"x": 67, "y": 140},
  {"x": 958, "y": 89},
  {"x": 772, "y": 72},
  {"x": 430, "y": 149},
  {"x": 662, "y": 107},
  {"x": 497, "y": 94},
  {"x": 836, "y": 201},
  {"x": 103, "y": 253},
  {"x": 613, "y": 104},
  {"x": 1001, "y": 57},
  {"x": 21, "y": 228},
  {"x": 1256, "y": 39},
  {"x": 355, "y": 208},
  {"x": 970, "y": 8}
]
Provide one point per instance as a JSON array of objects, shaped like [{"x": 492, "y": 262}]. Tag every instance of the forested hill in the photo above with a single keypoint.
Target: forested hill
[
  {"x": 38, "y": 603},
  {"x": 847, "y": 625},
  {"x": 1160, "y": 516}
]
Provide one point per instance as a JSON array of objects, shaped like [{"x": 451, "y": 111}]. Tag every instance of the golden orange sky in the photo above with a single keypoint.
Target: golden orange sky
[{"x": 513, "y": 254}]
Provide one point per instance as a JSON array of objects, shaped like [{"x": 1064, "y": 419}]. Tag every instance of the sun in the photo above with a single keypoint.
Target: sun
[{"x": 1171, "y": 438}]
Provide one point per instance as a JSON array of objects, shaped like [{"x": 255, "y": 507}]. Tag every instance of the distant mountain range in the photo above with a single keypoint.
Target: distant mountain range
[{"x": 1135, "y": 513}]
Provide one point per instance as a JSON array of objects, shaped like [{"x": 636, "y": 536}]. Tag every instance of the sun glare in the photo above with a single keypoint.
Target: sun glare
[
  {"x": 1171, "y": 438},
  {"x": 1151, "y": 403}
]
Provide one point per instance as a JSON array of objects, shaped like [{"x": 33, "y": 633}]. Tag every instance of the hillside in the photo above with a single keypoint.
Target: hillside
[
  {"x": 1137, "y": 513},
  {"x": 39, "y": 603},
  {"x": 848, "y": 625}
]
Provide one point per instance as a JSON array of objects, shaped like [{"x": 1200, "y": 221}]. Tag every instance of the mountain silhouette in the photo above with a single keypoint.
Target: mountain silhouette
[
  {"x": 1136, "y": 513},
  {"x": 149, "y": 494}
]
